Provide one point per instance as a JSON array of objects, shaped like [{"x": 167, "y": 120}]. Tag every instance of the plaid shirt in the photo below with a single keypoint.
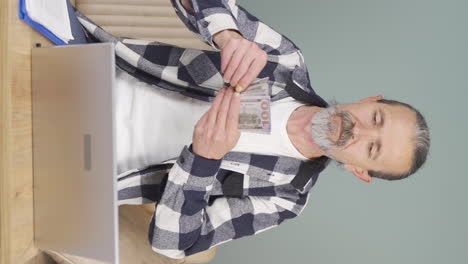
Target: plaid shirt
[
  {"x": 202, "y": 202},
  {"x": 206, "y": 202}
]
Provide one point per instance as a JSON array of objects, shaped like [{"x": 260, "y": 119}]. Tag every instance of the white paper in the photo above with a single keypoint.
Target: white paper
[{"x": 52, "y": 14}]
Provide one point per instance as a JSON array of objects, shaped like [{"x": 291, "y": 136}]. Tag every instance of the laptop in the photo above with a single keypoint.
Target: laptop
[{"x": 74, "y": 172}]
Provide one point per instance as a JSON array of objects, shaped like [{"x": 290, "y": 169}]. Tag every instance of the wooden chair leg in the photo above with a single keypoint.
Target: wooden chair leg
[{"x": 201, "y": 257}]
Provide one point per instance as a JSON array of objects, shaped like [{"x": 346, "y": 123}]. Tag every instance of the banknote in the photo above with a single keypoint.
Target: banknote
[
  {"x": 258, "y": 88},
  {"x": 255, "y": 114}
]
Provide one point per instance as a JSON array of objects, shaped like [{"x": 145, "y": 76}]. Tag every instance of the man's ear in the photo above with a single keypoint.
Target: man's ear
[
  {"x": 359, "y": 172},
  {"x": 370, "y": 99}
]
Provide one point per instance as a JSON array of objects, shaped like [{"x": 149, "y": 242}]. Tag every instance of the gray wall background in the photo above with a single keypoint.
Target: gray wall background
[{"x": 411, "y": 50}]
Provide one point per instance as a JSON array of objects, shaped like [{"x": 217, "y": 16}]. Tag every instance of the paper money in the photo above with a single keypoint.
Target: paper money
[{"x": 254, "y": 115}]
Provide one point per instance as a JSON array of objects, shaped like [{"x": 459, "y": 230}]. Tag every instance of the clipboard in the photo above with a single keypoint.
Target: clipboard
[{"x": 23, "y": 14}]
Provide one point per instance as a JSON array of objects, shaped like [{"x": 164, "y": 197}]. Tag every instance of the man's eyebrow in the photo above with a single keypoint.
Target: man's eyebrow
[
  {"x": 378, "y": 144},
  {"x": 382, "y": 117}
]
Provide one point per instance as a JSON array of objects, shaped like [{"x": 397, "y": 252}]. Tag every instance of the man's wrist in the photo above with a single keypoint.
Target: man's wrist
[
  {"x": 223, "y": 36},
  {"x": 199, "y": 154}
]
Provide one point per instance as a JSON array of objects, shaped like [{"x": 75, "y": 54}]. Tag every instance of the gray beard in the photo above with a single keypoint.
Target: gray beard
[{"x": 321, "y": 127}]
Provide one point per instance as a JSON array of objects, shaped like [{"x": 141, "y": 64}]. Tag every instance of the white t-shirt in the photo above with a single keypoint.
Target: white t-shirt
[
  {"x": 277, "y": 142},
  {"x": 153, "y": 125}
]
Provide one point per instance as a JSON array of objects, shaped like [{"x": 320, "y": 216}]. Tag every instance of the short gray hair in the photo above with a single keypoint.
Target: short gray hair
[{"x": 422, "y": 143}]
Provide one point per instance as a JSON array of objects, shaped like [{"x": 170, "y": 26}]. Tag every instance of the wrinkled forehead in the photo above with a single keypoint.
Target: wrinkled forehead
[{"x": 397, "y": 137}]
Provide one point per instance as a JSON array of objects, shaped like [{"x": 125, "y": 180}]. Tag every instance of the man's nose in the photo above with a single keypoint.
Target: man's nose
[{"x": 362, "y": 131}]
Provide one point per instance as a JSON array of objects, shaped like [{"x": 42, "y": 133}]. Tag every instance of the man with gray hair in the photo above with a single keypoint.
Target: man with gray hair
[
  {"x": 324, "y": 124},
  {"x": 226, "y": 184}
]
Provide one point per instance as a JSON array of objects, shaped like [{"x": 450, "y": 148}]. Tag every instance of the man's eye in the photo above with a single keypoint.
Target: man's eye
[
  {"x": 375, "y": 118},
  {"x": 371, "y": 146}
]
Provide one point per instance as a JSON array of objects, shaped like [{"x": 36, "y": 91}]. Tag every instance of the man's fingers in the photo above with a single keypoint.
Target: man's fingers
[
  {"x": 226, "y": 55},
  {"x": 232, "y": 124},
  {"x": 255, "y": 68},
  {"x": 223, "y": 109},
  {"x": 238, "y": 88},
  {"x": 242, "y": 69},
  {"x": 234, "y": 63},
  {"x": 213, "y": 111}
]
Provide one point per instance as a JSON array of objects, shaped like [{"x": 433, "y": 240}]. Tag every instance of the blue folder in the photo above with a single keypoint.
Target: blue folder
[{"x": 77, "y": 30}]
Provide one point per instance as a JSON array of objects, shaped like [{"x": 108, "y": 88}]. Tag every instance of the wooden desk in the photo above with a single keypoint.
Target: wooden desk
[{"x": 16, "y": 199}]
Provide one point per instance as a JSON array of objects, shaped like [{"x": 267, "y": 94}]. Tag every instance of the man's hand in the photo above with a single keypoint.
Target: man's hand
[
  {"x": 217, "y": 131},
  {"x": 241, "y": 60}
]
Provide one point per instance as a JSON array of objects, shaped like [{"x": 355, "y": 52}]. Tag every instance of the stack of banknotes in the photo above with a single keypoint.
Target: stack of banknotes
[{"x": 254, "y": 115}]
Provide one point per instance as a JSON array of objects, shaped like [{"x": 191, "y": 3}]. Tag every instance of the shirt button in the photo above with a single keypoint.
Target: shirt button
[
  {"x": 182, "y": 160},
  {"x": 205, "y": 23}
]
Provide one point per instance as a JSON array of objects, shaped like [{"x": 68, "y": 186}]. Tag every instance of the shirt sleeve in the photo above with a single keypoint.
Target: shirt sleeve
[
  {"x": 185, "y": 223},
  {"x": 213, "y": 16},
  {"x": 210, "y": 17}
]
